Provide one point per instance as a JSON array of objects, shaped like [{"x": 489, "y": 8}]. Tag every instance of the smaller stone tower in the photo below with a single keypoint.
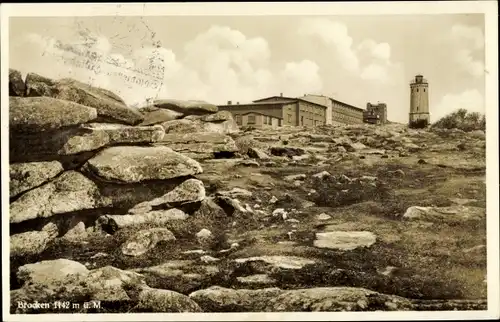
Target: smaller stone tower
[{"x": 419, "y": 99}]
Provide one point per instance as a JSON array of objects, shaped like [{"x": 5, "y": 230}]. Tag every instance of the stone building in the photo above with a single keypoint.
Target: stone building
[
  {"x": 277, "y": 111},
  {"x": 419, "y": 100},
  {"x": 337, "y": 112},
  {"x": 375, "y": 113}
]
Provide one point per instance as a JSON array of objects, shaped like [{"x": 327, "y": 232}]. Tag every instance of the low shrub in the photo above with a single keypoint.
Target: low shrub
[{"x": 463, "y": 120}]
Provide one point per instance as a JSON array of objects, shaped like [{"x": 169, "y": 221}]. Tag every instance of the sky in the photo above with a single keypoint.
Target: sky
[{"x": 354, "y": 59}]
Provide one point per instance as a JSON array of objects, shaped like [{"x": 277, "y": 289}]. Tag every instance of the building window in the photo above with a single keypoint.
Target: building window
[
  {"x": 301, "y": 120},
  {"x": 251, "y": 119},
  {"x": 417, "y": 90},
  {"x": 238, "y": 119},
  {"x": 289, "y": 118},
  {"x": 279, "y": 122}
]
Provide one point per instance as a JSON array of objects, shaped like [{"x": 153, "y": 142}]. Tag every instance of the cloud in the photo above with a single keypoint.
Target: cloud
[
  {"x": 369, "y": 60},
  {"x": 336, "y": 36},
  {"x": 471, "y": 100},
  {"x": 468, "y": 49},
  {"x": 217, "y": 65}
]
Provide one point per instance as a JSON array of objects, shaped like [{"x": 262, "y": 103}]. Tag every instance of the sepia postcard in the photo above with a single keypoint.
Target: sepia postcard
[{"x": 250, "y": 161}]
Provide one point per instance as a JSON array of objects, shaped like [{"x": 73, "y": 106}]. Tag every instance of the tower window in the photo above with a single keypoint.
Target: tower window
[
  {"x": 417, "y": 90},
  {"x": 424, "y": 90}
]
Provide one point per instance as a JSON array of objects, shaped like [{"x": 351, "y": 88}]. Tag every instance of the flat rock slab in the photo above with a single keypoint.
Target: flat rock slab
[
  {"x": 285, "y": 262},
  {"x": 25, "y": 176},
  {"x": 108, "y": 105},
  {"x": 50, "y": 270},
  {"x": 79, "y": 139},
  {"x": 344, "y": 240},
  {"x": 191, "y": 107},
  {"x": 190, "y": 191},
  {"x": 317, "y": 299},
  {"x": 38, "y": 114},
  {"x": 452, "y": 214},
  {"x": 72, "y": 191},
  {"x": 145, "y": 240},
  {"x": 113, "y": 223},
  {"x": 30, "y": 242},
  {"x": 257, "y": 279},
  {"x": 199, "y": 145},
  {"x": 160, "y": 115},
  {"x": 165, "y": 301},
  {"x": 136, "y": 164}
]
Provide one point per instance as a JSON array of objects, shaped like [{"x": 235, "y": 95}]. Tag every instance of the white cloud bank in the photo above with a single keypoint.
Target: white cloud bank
[
  {"x": 471, "y": 100},
  {"x": 468, "y": 49},
  {"x": 218, "y": 65},
  {"x": 369, "y": 59}
]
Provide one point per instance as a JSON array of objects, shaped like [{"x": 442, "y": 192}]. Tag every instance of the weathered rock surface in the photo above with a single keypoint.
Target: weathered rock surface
[
  {"x": 103, "y": 284},
  {"x": 200, "y": 145},
  {"x": 32, "y": 242},
  {"x": 165, "y": 301},
  {"x": 113, "y": 223},
  {"x": 38, "y": 114},
  {"x": 257, "y": 153},
  {"x": 285, "y": 262},
  {"x": 16, "y": 83},
  {"x": 25, "y": 176},
  {"x": 145, "y": 240},
  {"x": 50, "y": 271},
  {"x": 96, "y": 135},
  {"x": 190, "y": 191},
  {"x": 326, "y": 299},
  {"x": 187, "y": 107},
  {"x": 159, "y": 115},
  {"x": 108, "y": 105},
  {"x": 344, "y": 240},
  {"x": 73, "y": 191},
  {"x": 456, "y": 213},
  {"x": 77, "y": 140},
  {"x": 136, "y": 164}
]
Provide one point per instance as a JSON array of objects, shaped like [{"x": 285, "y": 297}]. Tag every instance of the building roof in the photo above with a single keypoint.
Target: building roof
[
  {"x": 257, "y": 103},
  {"x": 288, "y": 100}
]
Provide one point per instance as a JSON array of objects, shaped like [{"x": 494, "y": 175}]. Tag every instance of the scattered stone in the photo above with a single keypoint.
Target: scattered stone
[
  {"x": 257, "y": 154},
  {"x": 38, "y": 114},
  {"x": 76, "y": 233},
  {"x": 165, "y": 301},
  {"x": 280, "y": 212},
  {"x": 208, "y": 259},
  {"x": 344, "y": 240},
  {"x": 457, "y": 213},
  {"x": 286, "y": 151},
  {"x": 295, "y": 177},
  {"x": 136, "y": 164},
  {"x": 99, "y": 255},
  {"x": 321, "y": 175},
  {"x": 195, "y": 251},
  {"x": 145, "y": 240},
  {"x": 46, "y": 272},
  {"x": 26, "y": 176},
  {"x": 273, "y": 200},
  {"x": 284, "y": 262},
  {"x": 369, "y": 178},
  {"x": 256, "y": 279},
  {"x": 479, "y": 249},
  {"x": 109, "y": 283},
  {"x": 32, "y": 242},
  {"x": 190, "y": 191},
  {"x": 422, "y": 161},
  {"x": 204, "y": 233},
  {"x": 323, "y": 216},
  {"x": 113, "y": 223}
]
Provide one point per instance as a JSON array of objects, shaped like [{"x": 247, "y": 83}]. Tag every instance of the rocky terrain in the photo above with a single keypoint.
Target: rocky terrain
[{"x": 173, "y": 208}]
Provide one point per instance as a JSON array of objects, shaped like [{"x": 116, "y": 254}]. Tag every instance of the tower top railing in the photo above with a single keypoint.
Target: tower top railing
[{"x": 418, "y": 81}]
